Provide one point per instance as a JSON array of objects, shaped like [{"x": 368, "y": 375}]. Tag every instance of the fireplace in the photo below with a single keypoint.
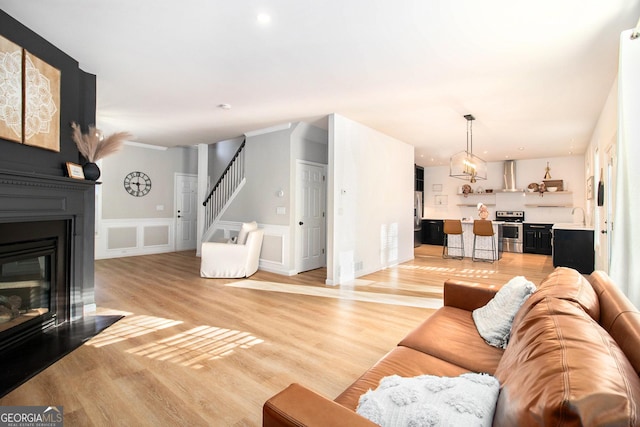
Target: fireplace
[
  {"x": 46, "y": 272},
  {"x": 46, "y": 254},
  {"x": 34, "y": 260}
]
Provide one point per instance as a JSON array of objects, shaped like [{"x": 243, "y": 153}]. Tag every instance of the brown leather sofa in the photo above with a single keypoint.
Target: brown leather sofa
[{"x": 573, "y": 358}]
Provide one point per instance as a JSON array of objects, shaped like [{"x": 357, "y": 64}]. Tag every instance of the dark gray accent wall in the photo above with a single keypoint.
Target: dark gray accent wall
[
  {"x": 32, "y": 182},
  {"x": 77, "y": 99}
]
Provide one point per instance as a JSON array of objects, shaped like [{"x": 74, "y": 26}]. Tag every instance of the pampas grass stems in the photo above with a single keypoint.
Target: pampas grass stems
[{"x": 92, "y": 146}]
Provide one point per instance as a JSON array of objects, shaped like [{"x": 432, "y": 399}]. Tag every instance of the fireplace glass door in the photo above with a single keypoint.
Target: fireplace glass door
[{"x": 25, "y": 282}]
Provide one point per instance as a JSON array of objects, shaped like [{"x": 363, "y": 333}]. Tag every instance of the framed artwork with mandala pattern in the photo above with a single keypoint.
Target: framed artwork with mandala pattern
[
  {"x": 41, "y": 117},
  {"x": 10, "y": 91},
  {"x": 29, "y": 98}
]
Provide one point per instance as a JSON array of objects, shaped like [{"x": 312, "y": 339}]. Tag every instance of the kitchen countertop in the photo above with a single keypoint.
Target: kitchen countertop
[
  {"x": 464, "y": 221},
  {"x": 571, "y": 226},
  {"x": 470, "y": 221}
]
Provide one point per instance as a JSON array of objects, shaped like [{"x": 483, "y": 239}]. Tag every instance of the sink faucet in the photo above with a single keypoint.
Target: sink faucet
[{"x": 584, "y": 222}]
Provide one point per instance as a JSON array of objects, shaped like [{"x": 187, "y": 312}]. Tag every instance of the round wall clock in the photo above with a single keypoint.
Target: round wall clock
[{"x": 137, "y": 184}]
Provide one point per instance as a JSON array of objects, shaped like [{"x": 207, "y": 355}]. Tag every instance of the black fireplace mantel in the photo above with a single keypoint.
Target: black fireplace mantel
[{"x": 36, "y": 197}]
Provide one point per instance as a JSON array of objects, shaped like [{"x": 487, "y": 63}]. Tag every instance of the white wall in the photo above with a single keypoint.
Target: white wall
[
  {"x": 370, "y": 200},
  {"x": 447, "y": 202},
  {"x": 270, "y": 164},
  {"x": 602, "y": 141},
  {"x": 127, "y": 225},
  {"x": 625, "y": 235}
]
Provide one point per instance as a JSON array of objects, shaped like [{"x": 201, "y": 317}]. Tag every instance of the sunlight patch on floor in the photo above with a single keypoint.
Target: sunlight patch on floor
[
  {"x": 189, "y": 348},
  {"x": 197, "y": 345},
  {"x": 339, "y": 292},
  {"x": 463, "y": 273},
  {"x": 131, "y": 327}
]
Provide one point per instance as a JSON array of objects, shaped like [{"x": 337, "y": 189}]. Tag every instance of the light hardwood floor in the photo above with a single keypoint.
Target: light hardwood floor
[{"x": 196, "y": 352}]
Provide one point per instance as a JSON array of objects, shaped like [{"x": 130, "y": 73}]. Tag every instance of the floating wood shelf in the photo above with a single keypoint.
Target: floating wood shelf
[
  {"x": 541, "y": 205},
  {"x": 546, "y": 193}
]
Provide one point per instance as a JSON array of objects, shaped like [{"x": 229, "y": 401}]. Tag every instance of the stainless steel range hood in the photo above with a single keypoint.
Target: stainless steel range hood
[{"x": 510, "y": 177}]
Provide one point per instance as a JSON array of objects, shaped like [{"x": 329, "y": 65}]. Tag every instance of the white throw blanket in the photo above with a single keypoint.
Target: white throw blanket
[{"x": 428, "y": 400}]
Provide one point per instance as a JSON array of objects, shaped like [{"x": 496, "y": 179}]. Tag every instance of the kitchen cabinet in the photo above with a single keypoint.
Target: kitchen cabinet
[
  {"x": 573, "y": 247},
  {"x": 433, "y": 231},
  {"x": 537, "y": 238}
]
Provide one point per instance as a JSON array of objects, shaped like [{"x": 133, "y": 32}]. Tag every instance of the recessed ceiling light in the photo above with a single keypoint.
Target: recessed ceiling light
[
  {"x": 264, "y": 18},
  {"x": 521, "y": 148},
  {"x": 224, "y": 106}
]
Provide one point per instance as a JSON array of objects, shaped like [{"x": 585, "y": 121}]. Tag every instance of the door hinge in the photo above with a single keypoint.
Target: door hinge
[
  {"x": 323, "y": 178},
  {"x": 322, "y": 251},
  {"x": 322, "y": 214}
]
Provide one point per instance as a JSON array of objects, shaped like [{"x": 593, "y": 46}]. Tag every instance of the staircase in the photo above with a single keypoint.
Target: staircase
[{"x": 223, "y": 192}]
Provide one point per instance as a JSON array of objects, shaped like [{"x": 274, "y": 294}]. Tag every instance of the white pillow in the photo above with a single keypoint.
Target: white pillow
[
  {"x": 493, "y": 321},
  {"x": 244, "y": 231},
  {"x": 428, "y": 400}
]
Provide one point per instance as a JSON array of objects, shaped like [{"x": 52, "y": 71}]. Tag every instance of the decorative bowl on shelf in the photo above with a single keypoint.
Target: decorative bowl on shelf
[
  {"x": 552, "y": 189},
  {"x": 532, "y": 187}
]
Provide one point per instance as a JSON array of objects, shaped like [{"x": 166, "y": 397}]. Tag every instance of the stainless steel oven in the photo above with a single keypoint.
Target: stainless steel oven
[{"x": 512, "y": 234}]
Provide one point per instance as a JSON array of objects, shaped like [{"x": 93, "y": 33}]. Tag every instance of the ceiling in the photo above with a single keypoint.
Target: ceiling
[{"x": 534, "y": 75}]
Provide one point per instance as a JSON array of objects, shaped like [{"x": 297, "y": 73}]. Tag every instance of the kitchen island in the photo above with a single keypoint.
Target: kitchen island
[{"x": 483, "y": 244}]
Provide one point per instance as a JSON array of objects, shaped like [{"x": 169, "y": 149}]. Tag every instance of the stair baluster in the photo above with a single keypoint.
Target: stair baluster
[{"x": 217, "y": 199}]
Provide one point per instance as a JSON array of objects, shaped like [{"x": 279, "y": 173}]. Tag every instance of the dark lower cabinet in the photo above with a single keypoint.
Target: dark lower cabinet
[
  {"x": 433, "y": 231},
  {"x": 574, "y": 248},
  {"x": 537, "y": 238}
]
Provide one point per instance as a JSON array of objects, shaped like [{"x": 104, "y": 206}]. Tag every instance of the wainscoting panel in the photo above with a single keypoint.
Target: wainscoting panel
[
  {"x": 275, "y": 254},
  {"x": 128, "y": 237}
]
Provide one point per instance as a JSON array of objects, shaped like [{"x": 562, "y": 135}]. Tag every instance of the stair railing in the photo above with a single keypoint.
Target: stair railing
[{"x": 221, "y": 193}]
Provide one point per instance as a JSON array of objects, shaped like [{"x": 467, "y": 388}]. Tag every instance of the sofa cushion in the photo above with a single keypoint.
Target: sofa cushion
[
  {"x": 618, "y": 316},
  {"x": 450, "y": 334},
  {"x": 562, "y": 368},
  {"x": 244, "y": 231},
  {"x": 568, "y": 284},
  {"x": 494, "y": 319},
  {"x": 403, "y": 361},
  {"x": 427, "y": 400}
]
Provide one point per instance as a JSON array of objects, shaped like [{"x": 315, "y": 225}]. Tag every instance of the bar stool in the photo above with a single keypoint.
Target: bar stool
[
  {"x": 483, "y": 228},
  {"x": 453, "y": 227}
]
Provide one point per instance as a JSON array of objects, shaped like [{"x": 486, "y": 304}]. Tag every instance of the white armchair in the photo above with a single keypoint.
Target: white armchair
[{"x": 232, "y": 260}]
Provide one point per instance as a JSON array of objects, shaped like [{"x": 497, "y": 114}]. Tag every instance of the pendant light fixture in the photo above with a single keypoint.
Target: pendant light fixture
[{"x": 465, "y": 165}]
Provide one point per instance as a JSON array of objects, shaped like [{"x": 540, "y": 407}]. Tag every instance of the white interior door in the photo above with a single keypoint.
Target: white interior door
[
  {"x": 186, "y": 211},
  {"x": 310, "y": 216}
]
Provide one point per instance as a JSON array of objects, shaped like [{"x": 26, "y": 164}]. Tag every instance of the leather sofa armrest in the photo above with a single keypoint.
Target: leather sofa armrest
[
  {"x": 467, "y": 295},
  {"x": 299, "y": 406}
]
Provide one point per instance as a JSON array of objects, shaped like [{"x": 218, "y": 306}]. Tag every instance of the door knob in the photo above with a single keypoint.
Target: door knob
[
  {"x": 603, "y": 231},
  {"x": 300, "y": 223}
]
